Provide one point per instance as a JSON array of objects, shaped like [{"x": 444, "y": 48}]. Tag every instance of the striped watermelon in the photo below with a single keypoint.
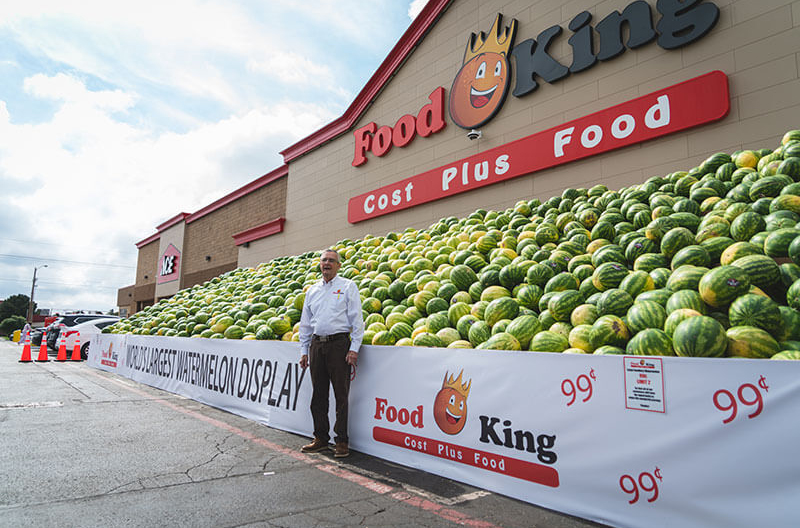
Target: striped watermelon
[
  {"x": 686, "y": 299},
  {"x": 787, "y": 354},
  {"x": 502, "y": 308},
  {"x": 609, "y": 350},
  {"x": 721, "y": 285},
  {"x": 751, "y": 342},
  {"x": 676, "y": 317},
  {"x": 528, "y": 296},
  {"x": 756, "y": 310},
  {"x": 426, "y": 339},
  {"x": 650, "y": 261},
  {"x": 561, "y": 282},
  {"x": 539, "y": 274},
  {"x": 583, "y": 337},
  {"x": 494, "y": 292},
  {"x": 700, "y": 337},
  {"x": 464, "y": 325},
  {"x": 562, "y": 303},
  {"x": 547, "y": 341},
  {"x": 584, "y": 314},
  {"x": 661, "y": 296},
  {"x": 660, "y": 277},
  {"x": 676, "y": 239},
  {"x": 695, "y": 255},
  {"x": 637, "y": 282},
  {"x": 462, "y": 277},
  {"x": 650, "y": 342},
  {"x": 609, "y": 275},
  {"x": 777, "y": 242},
  {"x": 478, "y": 332},
  {"x": 614, "y": 302},
  {"x": 523, "y": 328},
  {"x": 738, "y": 250},
  {"x": 611, "y": 330},
  {"x": 686, "y": 277},
  {"x": 790, "y": 327},
  {"x": 645, "y": 314},
  {"x": 501, "y": 341},
  {"x": 762, "y": 270}
]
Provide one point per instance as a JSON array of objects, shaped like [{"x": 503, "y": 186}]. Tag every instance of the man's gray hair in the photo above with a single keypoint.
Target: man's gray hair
[{"x": 338, "y": 257}]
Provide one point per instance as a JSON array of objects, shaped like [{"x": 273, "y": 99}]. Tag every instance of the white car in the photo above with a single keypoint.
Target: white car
[{"x": 86, "y": 330}]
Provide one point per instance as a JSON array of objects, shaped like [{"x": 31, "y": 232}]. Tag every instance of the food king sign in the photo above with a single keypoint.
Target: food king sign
[{"x": 480, "y": 87}]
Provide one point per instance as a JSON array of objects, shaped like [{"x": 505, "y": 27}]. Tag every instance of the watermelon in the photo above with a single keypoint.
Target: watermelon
[
  {"x": 676, "y": 317},
  {"x": 686, "y": 299},
  {"x": 790, "y": 325},
  {"x": 756, "y": 310},
  {"x": 427, "y": 339},
  {"x": 636, "y": 282},
  {"x": 502, "y": 308},
  {"x": 501, "y": 341},
  {"x": 561, "y": 282},
  {"x": 762, "y": 270},
  {"x": 695, "y": 255},
  {"x": 478, "y": 332},
  {"x": 650, "y": 261},
  {"x": 787, "y": 354},
  {"x": 661, "y": 296},
  {"x": 645, "y": 314},
  {"x": 650, "y": 342},
  {"x": 523, "y": 328},
  {"x": 547, "y": 341},
  {"x": 793, "y": 295},
  {"x": 660, "y": 277},
  {"x": 462, "y": 277},
  {"x": 686, "y": 277},
  {"x": 562, "y": 303},
  {"x": 614, "y": 302},
  {"x": 583, "y": 337},
  {"x": 751, "y": 342},
  {"x": 611, "y": 330},
  {"x": 584, "y": 314},
  {"x": 738, "y": 250},
  {"x": 608, "y": 275},
  {"x": 721, "y": 285},
  {"x": 676, "y": 239},
  {"x": 777, "y": 242},
  {"x": 700, "y": 337},
  {"x": 463, "y": 325}
]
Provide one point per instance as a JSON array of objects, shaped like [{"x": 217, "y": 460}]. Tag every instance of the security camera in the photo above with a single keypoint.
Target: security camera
[{"x": 474, "y": 134}]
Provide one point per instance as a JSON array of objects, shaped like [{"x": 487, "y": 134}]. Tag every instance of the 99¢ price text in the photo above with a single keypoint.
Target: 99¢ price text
[
  {"x": 646, "y": 482},
  {"x": 582, "y": 384},
  {"x": 747, "y": 394}
]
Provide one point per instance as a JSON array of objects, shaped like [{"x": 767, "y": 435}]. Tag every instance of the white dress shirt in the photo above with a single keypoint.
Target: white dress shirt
[{"x": 331, "y": 308}]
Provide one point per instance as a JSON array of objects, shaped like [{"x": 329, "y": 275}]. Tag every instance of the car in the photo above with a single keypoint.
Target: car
[
  {"x": 86, "y": 330},
  {"x": 68, "y": 321}
]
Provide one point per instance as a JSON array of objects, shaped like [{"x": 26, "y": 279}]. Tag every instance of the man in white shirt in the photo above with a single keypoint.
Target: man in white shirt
[{"x": 331, "y": 329}]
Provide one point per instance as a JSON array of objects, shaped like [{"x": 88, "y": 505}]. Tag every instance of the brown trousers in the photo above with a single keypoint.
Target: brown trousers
[{"x": 329, "y": 367}]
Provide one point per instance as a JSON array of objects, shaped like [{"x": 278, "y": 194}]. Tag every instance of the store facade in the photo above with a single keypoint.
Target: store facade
[{"x": 569, "y": 95}]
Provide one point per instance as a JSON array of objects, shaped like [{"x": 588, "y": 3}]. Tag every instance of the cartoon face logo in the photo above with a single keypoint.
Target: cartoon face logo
[
  {"x": 450, "y": 405},
  {"x": 480, "y": 86}
]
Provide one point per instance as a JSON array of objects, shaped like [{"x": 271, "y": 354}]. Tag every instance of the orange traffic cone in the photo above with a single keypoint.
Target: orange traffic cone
[
  {"x": 76, "y": 350},
  {"x": 62, "y": 347},
  {"x": 43, "y": 349},
  {"x": 26, "y": 350}
]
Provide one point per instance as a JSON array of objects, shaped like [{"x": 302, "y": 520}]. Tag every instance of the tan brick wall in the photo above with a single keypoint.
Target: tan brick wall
[
  {"x": 125, "y": 299},
  {"x": 147, "y": 264},
  {"x": 762, "y": 65},
  {"x": 212, "y": 234},
  {"x": 174, "y": 236}
]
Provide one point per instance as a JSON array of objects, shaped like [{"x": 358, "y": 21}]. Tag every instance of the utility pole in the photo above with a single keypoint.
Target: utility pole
[{"x": 33, "y": 288}]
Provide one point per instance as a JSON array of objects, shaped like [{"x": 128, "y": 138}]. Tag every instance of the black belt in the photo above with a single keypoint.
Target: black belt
[{"x": 331, "y": 337}]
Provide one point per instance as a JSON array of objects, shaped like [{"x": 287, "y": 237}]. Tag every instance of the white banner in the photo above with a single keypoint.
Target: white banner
[{"x": 623, "y": 440}]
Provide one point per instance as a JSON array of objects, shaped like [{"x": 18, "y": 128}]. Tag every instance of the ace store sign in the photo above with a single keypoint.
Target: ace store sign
[{"x": 482, "y": 83}]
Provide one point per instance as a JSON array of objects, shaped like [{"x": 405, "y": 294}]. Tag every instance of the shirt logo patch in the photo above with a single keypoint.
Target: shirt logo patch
[{"x": 338, "y": 293}]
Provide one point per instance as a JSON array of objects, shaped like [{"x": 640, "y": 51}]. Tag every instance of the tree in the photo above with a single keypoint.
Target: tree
[
  {"x": 9, "y": 324},
  {"x": 15, "y": 305}
]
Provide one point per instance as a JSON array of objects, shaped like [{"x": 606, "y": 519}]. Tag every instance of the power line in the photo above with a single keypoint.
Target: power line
[
  {"x": 47, "y": 259},
  {"x": 34, "y": 242},
  {"x": 27, "y": 281}
]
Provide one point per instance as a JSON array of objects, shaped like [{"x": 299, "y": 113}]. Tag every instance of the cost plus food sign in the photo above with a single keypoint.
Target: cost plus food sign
[
  {"x": 484, "y": 78},
  {"x": 517, "y": 452}
]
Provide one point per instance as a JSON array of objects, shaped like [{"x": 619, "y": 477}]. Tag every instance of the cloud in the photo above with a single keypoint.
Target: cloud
[
  {"x": 92, "y": 185},
  {"x": 415, "y": 8}
]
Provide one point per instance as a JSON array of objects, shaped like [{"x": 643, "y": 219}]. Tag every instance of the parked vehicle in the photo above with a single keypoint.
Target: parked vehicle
[
  {"x": 86, "y": 329},
  {"x": 70, "y": 320}
]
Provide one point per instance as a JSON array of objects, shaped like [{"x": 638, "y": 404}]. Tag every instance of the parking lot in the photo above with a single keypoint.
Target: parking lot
[{"x": 82, "y": 447}]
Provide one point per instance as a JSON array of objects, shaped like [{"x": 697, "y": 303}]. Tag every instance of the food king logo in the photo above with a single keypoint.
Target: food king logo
[{"x": 450, "y": 415}]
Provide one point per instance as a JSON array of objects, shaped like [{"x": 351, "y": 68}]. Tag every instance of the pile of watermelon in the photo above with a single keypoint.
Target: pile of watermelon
[{"x": 702, "y": 262}]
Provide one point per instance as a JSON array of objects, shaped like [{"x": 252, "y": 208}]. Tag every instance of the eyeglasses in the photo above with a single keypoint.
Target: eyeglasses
[{"x": 328, "y": 260}]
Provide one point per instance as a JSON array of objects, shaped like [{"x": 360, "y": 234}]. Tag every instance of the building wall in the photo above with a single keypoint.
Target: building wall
[
  {"x": 125, "y": 302},
  {"x": 762, "y": 67},
  {"x": 146, "y": 270},
  {"x": 212, "y": 234}
]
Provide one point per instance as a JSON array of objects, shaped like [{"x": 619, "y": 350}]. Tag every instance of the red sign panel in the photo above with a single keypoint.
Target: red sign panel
[
  {"x": 685, "y": 105},
  {"x": 169, "y": 265}
]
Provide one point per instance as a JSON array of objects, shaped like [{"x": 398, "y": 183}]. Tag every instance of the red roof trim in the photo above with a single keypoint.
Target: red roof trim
[
  {"x": 269, "y": 177},
  {"x": 152, "y": 238},
  {"x": 272, "y": 227},
  {"x": 172, "y": 221},
  {"x": 413, "y": 35}
]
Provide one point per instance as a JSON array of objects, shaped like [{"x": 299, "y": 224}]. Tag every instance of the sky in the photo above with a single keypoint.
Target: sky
[{"x": 116, "y": 116}]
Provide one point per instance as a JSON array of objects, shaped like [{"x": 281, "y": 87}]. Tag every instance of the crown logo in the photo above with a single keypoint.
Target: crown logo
[
  {"x": 455, "y": 384},
  {"x": 498, "y": 41}
]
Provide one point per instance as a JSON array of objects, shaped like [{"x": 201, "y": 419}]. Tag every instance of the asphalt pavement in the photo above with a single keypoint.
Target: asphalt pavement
[{"x": 86, "y": 448}]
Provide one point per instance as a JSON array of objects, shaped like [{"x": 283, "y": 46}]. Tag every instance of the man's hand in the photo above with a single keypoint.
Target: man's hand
[
  {"x": 304, "y": 361},
  {"x": 351, "y": 358}
]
